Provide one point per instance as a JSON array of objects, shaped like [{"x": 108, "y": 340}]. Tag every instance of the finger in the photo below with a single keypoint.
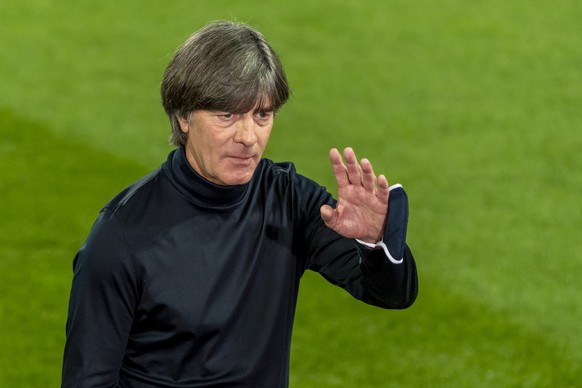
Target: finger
[
  {"x": 327, "y": 214},
  {"x": 352, "y": 166},
  {"x": 368, "y": 177},
  {"x": 339, "y": 169},
  {"x": 383, "y": 189}
]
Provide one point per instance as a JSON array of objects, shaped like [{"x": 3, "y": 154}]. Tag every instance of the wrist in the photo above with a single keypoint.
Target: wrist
[
  {"x": 371, "y": 245},
  {"x": 381, "y": 245}
]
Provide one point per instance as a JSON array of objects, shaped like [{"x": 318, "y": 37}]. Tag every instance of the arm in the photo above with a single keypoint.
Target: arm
[
  {"x": 389, "y": 268},
  {"x": 384, "y": 275},
  {"x": 103, "y": 298}
]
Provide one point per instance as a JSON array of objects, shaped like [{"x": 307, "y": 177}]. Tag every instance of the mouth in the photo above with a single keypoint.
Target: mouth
[{"x": 242, "y": 159}]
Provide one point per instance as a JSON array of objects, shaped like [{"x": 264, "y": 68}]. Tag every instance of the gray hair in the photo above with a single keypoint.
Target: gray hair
[{"x": 225, "y": 66}]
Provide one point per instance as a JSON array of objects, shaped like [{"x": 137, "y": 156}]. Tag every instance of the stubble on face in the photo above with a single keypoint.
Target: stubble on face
[{"x": 226, "y": 148}]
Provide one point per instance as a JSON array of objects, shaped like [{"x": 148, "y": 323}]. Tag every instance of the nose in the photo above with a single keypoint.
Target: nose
[{"x": 245, "y": 132}]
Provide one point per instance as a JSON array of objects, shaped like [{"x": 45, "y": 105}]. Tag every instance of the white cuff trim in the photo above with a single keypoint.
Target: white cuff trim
[
  {"x": 381, "y": 243},
  {"x": 384, "y": 247}
]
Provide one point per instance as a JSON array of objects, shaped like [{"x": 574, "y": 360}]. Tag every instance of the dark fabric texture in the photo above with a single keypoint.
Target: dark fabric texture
[
  {"x": 183, "y": 283},
  {"x": 398, "y": 220}
]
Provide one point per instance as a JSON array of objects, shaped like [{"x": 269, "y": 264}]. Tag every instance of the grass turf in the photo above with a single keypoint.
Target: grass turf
[{"x": 474, "y": 107}]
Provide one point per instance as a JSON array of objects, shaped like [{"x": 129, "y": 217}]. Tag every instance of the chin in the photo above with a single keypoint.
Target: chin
[
  {"x": 239, "y": 176},
  {"x": 238, "y": 179}
]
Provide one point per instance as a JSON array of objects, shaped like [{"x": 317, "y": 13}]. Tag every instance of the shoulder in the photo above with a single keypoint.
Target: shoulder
[
  {"x": 277, "y": 169},
  {"x": 123, "y": 211},
  {"x": 107, "y": 246},
  {"x": 134, "y": 192},
  {"x": 283, "y": 176},
  {"x": 109, "y": 249},
  {"x": 285, "y": 171}
]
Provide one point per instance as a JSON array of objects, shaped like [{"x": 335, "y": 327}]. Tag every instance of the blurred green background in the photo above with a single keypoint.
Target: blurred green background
[{"x": 475, "y": 107}]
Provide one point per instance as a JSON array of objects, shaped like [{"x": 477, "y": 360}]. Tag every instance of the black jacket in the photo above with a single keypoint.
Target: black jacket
[{"x": 183, "y": 283}]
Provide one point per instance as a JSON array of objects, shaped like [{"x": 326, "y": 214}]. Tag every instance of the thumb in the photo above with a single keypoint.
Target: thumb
[{"x": 327, "y": 214}]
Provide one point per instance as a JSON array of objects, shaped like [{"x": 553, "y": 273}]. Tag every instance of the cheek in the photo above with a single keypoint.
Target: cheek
[
  {"x": 264, "y": 136},
  {"x": 209, "y": 147}
]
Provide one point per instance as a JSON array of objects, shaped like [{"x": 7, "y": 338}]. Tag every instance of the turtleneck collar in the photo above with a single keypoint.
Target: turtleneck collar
[{"x": 198, "y": 189}]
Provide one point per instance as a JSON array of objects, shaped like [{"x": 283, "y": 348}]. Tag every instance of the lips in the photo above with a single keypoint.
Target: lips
[{"x": 242, "y": 159}]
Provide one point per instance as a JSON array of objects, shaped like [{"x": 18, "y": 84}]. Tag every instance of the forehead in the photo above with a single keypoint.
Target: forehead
[
  {"x": 259, "y": 106},
  {"x": 263, "y": 104},
  {"x": 260, "y": 103}
]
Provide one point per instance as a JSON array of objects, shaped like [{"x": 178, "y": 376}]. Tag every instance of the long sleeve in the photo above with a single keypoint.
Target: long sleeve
[
  {"x": 367, "y": 274},
  {"x": 182, "y": 282},
  {"x": 390, "y": 271},
  {"x": 103, "y": 297}
]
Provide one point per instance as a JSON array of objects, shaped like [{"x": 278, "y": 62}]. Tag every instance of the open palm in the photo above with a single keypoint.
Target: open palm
[{"x": 362, "y": 204}]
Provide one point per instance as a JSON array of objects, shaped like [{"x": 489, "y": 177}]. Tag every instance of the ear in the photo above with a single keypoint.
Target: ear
[{"x": 184, "y": 123}]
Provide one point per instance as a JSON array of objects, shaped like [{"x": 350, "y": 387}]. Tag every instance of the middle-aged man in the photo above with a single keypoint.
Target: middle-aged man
[{"x": 189, "y": 277}]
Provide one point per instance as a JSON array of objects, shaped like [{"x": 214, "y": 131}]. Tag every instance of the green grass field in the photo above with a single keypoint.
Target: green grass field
[{"x": 475, "y": 107}]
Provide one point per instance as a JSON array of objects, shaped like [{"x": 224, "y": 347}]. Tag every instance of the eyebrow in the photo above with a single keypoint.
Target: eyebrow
[
  {"x": 265, "y": 109},
  {"x": 218, "y": 112}
]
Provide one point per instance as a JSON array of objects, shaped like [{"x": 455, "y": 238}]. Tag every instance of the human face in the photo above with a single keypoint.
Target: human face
[{"x": 225, "y": 148}]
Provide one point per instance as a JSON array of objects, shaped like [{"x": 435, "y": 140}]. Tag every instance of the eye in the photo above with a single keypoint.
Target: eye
[
  {"x": 264, "y": 116},
  {"x": 225, "y": 116}
]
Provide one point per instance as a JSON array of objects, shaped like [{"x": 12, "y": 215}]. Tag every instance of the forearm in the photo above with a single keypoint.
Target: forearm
[
  {"x": 385, "y": 275},
  {"x": 389, "y": 270},
  {"x": 387, "y": 284}
]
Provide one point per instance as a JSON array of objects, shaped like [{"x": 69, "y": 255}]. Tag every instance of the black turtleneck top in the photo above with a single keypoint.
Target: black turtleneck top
[{"x": 183, "y": 283}]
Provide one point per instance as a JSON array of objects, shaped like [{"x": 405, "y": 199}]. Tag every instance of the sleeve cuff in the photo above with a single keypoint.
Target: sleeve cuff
[
  {"x": 394, "y": 239},
  {"x": 380, "y": 244}
]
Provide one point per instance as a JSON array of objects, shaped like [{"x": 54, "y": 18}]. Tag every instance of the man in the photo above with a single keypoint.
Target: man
[{"x": 189, "y": 277}]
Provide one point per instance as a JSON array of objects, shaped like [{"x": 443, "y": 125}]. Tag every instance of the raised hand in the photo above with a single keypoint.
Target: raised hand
[{"x": 362, "y": 204}]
